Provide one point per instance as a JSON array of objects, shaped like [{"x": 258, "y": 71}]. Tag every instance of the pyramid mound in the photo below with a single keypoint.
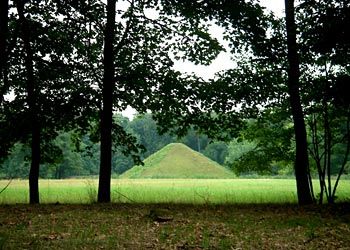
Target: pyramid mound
[{"x": 176, "y": 160}]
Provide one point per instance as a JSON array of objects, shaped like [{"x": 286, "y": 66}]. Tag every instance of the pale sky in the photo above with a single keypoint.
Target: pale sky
[{"x": 277, "y": 6}]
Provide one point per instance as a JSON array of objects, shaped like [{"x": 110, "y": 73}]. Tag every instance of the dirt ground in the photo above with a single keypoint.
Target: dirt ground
[{"x": 166, "y": 226}]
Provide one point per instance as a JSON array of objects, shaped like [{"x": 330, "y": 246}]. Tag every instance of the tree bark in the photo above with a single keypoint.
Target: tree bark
[
  {"x": 104, "y": 188},
  {"x": 33, "y": 108},
  {"x": 4, "y": 6},
  {"x": 301, "y": 162}
]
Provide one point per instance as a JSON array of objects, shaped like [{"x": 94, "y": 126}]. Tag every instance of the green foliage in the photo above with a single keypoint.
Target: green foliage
[
  {"x": 58, "y": 67},
  {"x": 212, "y": 108},
  {"x": 265, "y": 146},
  {"x": 237, "y": 150},
  {"x": 16, "y": 166},
  {"x": 216, "y": 151},
  {"x": 145, "y": 130}
]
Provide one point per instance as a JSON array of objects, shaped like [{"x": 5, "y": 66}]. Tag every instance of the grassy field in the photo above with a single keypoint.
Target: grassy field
[{"x": 180, "y": 191}]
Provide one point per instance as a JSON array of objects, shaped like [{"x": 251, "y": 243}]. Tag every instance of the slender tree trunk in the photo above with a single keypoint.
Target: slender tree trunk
[
  {"x": 347, "y": 151},
  {"x": 35, "y": 165},
  {"x": 301, "y": 161},
  {"x": 327, "y": 149},
  {"x": 4, "y": 5},
  {"x": 317, "y": 157},
  {"x": 104, "y": 188},
  {"x": 33, "y": 107}
]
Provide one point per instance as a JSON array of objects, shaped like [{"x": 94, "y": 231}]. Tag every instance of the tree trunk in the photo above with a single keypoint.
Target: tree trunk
[
  {"x": 301, "y": 161},
  {"x": 33, "y": 107},
  {"x": 4, "y": 5},
  {"x": 35, "y": 165},
  {"x": 104, "y": 188},
  {"x": 347, "y": 151}
]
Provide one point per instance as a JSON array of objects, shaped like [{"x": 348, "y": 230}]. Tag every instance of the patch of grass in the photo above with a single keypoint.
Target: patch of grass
[
  {"x": 185, "y": 191},
  {"x": 91, "y": 185},
  {"x": 3, "y": 239}
]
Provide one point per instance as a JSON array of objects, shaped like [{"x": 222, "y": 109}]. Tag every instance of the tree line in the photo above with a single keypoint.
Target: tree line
[
  {"x": 243, "y": 155},
  {"x": 68, "y": 66},
  {"x": 82, "y": 160}
]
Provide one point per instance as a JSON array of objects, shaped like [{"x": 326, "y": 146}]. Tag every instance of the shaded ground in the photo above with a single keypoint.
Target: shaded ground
[{"x": 129, "y": 226}]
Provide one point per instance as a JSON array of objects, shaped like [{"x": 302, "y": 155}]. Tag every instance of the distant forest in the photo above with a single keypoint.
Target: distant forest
[
  {"x": 247, "y": 155},
  {"x": 82, "y": 159}
]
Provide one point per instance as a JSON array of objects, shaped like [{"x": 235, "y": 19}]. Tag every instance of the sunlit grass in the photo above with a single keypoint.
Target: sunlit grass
[{"x": 188, "y": 191}]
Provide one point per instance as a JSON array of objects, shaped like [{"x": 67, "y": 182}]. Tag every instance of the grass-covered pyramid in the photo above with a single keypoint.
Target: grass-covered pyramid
[{"x": 176, "y": 160}]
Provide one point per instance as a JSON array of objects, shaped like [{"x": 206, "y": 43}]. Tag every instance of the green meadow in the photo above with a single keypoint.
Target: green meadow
[{"x": 178, "y": 191}]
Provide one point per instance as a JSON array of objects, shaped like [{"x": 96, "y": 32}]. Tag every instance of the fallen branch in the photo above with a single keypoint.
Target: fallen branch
[
  {"x": 8, "y": 184},
  {"x": 119, "y": 193}
]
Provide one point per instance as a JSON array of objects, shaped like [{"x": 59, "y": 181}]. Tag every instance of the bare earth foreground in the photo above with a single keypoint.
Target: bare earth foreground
[{"x": 136, "y": 226}]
